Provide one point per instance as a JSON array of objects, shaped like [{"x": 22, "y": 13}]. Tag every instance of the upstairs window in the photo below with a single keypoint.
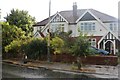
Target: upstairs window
[
  {"x": 57, "y": 27},
  {"x": 113, "y": 27},
  {"x": 82, "y": 27},
  {"x": 87, "y": 26}
]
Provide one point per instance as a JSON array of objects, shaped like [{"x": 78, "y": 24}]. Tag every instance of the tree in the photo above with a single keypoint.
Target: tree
[
  {"x": 81, "y": 48},
  {"x": 68, "y": 40},
  {"x": 10, "y": 33},
  {"x": 21, "y": 19},
  {"x": 57, "y": 44}
]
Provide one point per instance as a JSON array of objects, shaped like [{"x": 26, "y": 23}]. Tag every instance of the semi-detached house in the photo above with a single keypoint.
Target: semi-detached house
[{"x": 102, "y": 27}]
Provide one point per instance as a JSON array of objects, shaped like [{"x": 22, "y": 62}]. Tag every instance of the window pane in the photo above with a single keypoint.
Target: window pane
[
  {"x": 93, "y": 27},
  {"x": 85, "y": 24},
  {"x": 111, "y": 27},
  {"x": 81, "y": 27},
  {"x": 90, "y": 26},
  {"x": 93, "y": 42},
  {"x": 81, "y": 23},
  {"x": 85, "y": 27},
  {"x": 115, "y": 27}
]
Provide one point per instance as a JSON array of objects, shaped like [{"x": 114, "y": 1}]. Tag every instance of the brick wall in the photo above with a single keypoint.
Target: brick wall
[{"x": 94, "y": 60}]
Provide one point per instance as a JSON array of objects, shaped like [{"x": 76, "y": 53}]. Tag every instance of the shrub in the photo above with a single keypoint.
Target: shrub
[
  {"x": 81, "y": 46},
  {"x": 57, "y": 44},
  {"x": 13, "y": 48},
  {"x": 36, "y": 48}
]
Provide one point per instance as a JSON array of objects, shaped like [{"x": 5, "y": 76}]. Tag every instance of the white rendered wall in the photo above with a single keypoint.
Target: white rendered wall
[
  {"x": 37, "y": 28},
  {"x": 74, "y": 30}
]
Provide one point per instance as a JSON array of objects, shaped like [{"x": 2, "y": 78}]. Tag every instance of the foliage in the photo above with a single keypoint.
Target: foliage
[
  {"x": 81, "y": 46},
  {"x": 118, "y": 53},
  {"x": 57, "y": 44},
  {"x": 35, "y": 48},
  {"x": 21, "y": 19},
  {"x": 13, "y": 48},
  {"x": 68, "y": 41},
  {"x": 10, "y": 33}
]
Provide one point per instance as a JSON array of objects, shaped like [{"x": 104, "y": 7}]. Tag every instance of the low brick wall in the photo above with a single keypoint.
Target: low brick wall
[{"x": 94, "y": 60}]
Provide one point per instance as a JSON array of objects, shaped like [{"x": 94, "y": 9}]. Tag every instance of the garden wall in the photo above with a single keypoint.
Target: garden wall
[{"x": 94, "y": 60}]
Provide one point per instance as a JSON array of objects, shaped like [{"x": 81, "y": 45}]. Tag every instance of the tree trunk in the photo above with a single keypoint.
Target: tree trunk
[{"x": 79, "y": 63}]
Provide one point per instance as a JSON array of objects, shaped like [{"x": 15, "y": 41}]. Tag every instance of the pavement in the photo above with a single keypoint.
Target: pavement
[{"x": 99, "y": 71}]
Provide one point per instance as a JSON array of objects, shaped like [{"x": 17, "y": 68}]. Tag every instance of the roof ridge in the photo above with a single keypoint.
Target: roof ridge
[
  {"x": 67, "y": 14},
  {"x": 71, "y": 10}
]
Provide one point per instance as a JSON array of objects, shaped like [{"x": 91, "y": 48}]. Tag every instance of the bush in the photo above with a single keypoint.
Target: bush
[
  {"x": 68, "y": 41},
  {"x": 35, "y": 48},
  {"x": 13, "y": 48},
  {"x": 81, "y": 46},
  {"x": 57, "y": 44}
]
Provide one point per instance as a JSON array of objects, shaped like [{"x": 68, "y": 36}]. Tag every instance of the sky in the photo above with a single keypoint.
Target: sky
[{"x": 40, "y": 8}]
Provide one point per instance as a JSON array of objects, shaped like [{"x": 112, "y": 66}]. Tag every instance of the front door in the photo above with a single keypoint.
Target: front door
[{"x": 109, "y": 47}]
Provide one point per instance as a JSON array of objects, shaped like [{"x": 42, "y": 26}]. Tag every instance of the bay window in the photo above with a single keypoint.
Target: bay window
[{"x": 87, "y": 26}]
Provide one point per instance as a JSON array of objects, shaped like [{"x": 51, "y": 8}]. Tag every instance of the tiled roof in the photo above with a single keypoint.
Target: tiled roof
[
  {"x": 68, "y": 15},
  {"x": 102, "y": 16}
]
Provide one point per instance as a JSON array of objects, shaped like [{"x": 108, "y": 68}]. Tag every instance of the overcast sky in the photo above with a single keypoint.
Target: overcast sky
[{"x": 40, "y": 8}]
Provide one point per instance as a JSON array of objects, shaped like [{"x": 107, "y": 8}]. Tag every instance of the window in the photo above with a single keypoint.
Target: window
[
  {"x": 93, "y": 25},
  {"x": 57, "y": 27},
  {"x": 113, "y": 27},
  {"x": 93, "y": 42},
  {"x": 82, "y": 27},
  {"x": 57, "y": 18},
  {"x": 87, "y": 26}
]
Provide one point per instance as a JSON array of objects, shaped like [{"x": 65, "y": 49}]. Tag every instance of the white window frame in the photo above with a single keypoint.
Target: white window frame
[
  {"x": 113, "y": 26},
  {"x": 93, "y": 42},
  {"x": 58, "y": 27},
  {"x": 87, "y": 26}
]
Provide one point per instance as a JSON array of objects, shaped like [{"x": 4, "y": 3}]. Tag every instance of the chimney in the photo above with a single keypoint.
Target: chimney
[{"x": 75, "y": 11}]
